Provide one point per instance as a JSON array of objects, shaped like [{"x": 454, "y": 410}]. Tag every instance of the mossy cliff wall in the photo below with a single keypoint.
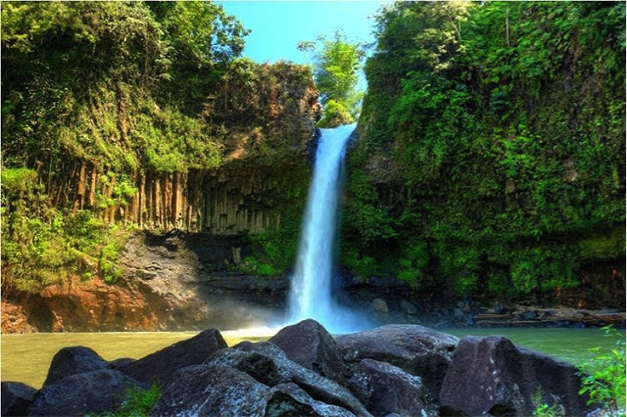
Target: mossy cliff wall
[
  {"x": 243, "y": 192},
  {"x": 491, "y": 161},
  {"x": 128, "y": 115}
]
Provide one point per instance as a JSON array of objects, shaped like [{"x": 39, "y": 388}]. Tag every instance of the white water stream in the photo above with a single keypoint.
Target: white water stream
[{"x": 310, "y": 294}]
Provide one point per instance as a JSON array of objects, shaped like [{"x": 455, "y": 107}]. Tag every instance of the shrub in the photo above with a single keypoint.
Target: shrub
[
  {"x": 137, "y": 403},
  {"x": 603, "y": 377}
]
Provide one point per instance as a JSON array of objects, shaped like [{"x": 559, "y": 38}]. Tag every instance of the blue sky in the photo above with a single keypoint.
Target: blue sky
[{"x": 277, "y": 26}]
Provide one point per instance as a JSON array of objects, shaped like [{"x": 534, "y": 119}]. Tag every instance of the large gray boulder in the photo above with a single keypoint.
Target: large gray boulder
[
  {"x": 276, "y": 408},
  {"x": 72, "y": 361},
  {"x": 416, "y": 349},
  {"x": 489, "y": 375},
  {"x": 86, "y": 393},
  {"x": 256, "y": 365},
  {"x": 217, "y": 390},
  {"x": 388, "y": 390},
  {"x": 212, "y": 390},
  {"x": 16, "y": 398},
  {"x": 159, "y": 367},
  {"x": 286, "y": 371},
  {"x": 310, "y": 345}
]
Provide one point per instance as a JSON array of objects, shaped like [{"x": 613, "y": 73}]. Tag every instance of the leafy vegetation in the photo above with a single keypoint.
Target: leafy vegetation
[
  {"x": 41, "y": 246},
  {"x": 603, "y": 376},
  {"x": 492, "y": 137},
  {"x": 336, "y": 74},
  {"x": 137, "y": 402},
  {"x": 131, "y": 90},
  {"x": 546, "y": 410}
]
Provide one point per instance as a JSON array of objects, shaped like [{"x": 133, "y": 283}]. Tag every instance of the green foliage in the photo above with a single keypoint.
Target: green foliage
[
  {"x": 253, "y": 266},
  {"x": 17, "y": 180},
  {"x": 41, "y": 245},
  {"x": 363, "y": 266},
  {"x": 335, "y": 72},
  {"x": 413, "y": 262},
  {"x": 132, "y": 91},
  {"x": 99, "y": 75},
  {"x": 543, "y": 409},
  {"x": 603, "y": 376},
  {"x": 484, "y": 135},
  {"x": 137, "y": 402},
  {"x": 275, "y": 249},
  {"x": 109, "y": 254},
  {"x": 335, "y": 114}
]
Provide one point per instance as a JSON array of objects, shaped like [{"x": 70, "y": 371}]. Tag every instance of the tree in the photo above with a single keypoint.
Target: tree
[{"x": 336, "y": 74}]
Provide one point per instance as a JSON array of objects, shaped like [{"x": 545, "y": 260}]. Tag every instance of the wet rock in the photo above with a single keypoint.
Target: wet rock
[
  {"x": 16, "y": 398},
  {"x": 379, "y": 307},
  {"x": 387, "y": 390},
  {"x": 492, "y": 376},
  {"x": 260, "y": 367},
  {"x": 316, "y": 386},
  {"x": 119, "y": 363},
  {"x": 217, "y": 390},
  {"x": 415, "y": 349},
  {"x": 443, "y": 325},
  {"x": 87, "y": 393},
  {"x": 159, "y": 366},
  {"x": 73, "y": 360},
  {"x": 499, "y": 308},
  {"x": 408, "y": 308},
  {"x": 212, "y": 390},
  {"x": 310, "y": 345},
  {"x": 387, "y": 282},
  {"x": 241, "y": 282},
  {"x": 319, "y": 408}
]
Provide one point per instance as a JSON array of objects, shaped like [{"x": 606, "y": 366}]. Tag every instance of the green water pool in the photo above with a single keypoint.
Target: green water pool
[{"x": 26, "y": 358}]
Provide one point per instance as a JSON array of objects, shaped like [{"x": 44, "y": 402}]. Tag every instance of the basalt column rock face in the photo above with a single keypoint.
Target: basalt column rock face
[
  {"x": 264, "y": 136},
  {"x": 257, "y": 181}
]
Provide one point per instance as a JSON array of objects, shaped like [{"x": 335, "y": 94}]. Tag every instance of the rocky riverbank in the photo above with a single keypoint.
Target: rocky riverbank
[
  {"x": 193, "y": 281},
  {"x": 401, "y": 370}
]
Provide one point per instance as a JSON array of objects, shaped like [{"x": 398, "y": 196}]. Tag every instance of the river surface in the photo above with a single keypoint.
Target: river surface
[{"x": 26, "y": 358}]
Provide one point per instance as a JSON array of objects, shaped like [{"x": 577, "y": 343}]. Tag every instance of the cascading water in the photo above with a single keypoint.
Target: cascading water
[{"x": 310, "y": 295}]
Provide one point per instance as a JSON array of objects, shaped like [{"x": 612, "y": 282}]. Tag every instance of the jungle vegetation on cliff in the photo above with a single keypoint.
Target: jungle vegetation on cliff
[
  {"x": 492, "y": 156},
  {"x": 106, "y": 106}
]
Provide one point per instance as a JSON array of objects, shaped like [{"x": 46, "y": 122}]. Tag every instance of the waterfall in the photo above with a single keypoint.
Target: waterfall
[{"x": 310, "y": 294}]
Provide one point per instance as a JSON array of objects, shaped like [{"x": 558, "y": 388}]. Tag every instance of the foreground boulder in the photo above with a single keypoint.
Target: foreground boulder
[
  {"x": 212, "y": 390},
  {"x": 388, "y": 390},
  {"x": 216, "y": 390},
  {"x": 489, "y": 375},
  {"x": 416, "y": 349},
  {"x": 276, "y": 408},
  {"x": 92, "y": 392},
  {"x": 159, "y": 367},
  {"x": 310, "y": 345},
  {"x": 281, "y": 370},
  {"x": 259, "y": 366},
  {"x": 72, "y": 361},
  {"x": 16, "y": 398}
]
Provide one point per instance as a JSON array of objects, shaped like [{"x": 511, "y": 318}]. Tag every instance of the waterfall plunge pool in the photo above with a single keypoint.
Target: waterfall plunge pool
[{"x": 26, "y": 357}]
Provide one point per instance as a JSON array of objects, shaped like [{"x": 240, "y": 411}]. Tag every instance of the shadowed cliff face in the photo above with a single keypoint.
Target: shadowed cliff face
[{"x": 170, "y": 282}]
